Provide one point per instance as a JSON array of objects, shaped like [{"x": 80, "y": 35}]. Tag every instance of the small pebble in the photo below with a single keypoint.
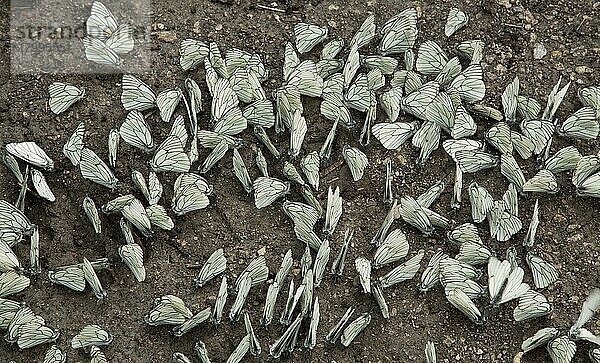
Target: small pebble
[{"x": 539, "y": 51}]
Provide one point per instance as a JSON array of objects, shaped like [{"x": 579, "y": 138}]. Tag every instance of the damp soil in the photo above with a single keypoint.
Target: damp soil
[{"x": 568, "y": 234}]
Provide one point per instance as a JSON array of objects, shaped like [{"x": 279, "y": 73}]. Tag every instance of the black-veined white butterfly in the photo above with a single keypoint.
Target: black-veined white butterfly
[
  {"x": 337, "y": 267},
  {"x": 217, "y": 311},
  {"x": 416, "y": 102},
  {"x": 308, "y": 36},
  {"x": 91, "y": 335},
  {"x": 354, "y": 328},
  {"x": 63, "y": 96},
  {"x": 532, "y": 304},
  {"x": 357, "y": 161},
  {"x": 267, "y": 190},
  {"x": 133, "y": 256},
  {"x": 31, "y": 153},
  {"x": 136, "y": 95},
  {"x": 430, "y": 58},
  {"x": 332, "y": 49},
  {"x": 287, "y": 341},
  {"x": 564, "y": 159},
  {"x": 306, "y": 79},
  {"x": 542, "y": 182},
  {"x": 386, "y": 65},
  {"x": 456, "y": 20},
  {"x": 333, "y": 108},
  {"x": 561, "y": 349},
  {"x": 399, "y": 33},
  {"x": 469, "y": 84},
  {"x": 192, "y": 322},
  {"x": 168, "y": 310},
  {"x": 96, "y": 170},
  {"x": 170, "y": 157},
  {"x": 583, "y": 124},
  {"x": 538, "y": 339},
  {"x": 92, "y": 279},
  {"x": 54, "y": 355},
  {"x": 192, "y": 52},
  {"x": 298, "y": 129},
  {"x": 214, "y": 266},
  {"x": 363, "y": 267},
  {"x": 462, "y": 302},
  {"x": 394, "y": 247},
  {"x": 412, "y": 212},
  {"x": 403, "y": 272},
  {"x": 72, "y": 148}
]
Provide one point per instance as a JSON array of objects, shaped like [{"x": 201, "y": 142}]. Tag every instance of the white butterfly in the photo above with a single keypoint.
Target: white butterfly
[
  {"x": 217, "y": 153},
  {"x": 298, "y": 129},
  {"x": 456, "y": 20},
  {"x": 308, "y": 35},
  {"x": 55, "y": 355},
  {"x": 427, "y": 138},
  {"x": 357, "y": 161},
  {"x": 260, "y": 113},
  {"x": 190, "y": 193},
  {"x": 403, "y": 272},
  {"x": 532, "y": 304},
  {"x": 583, "y": 124},
  {"x": 241, "y": 172},
  {"x": 225, "y": 110},
  {"x": 333, "y": 108},
  {"x": 167, "y": 101},
  {"x": 393, "y": 135},
  {"x": 191, "y": 53},
  {"x": 170, "y": 157},
  {"x": 351, "y": 67},
  {"x": 332, "y": 49},
  {"x": 267, "y": 190},
  {"x": 91, "y": 335},
  {"x": 561, "y": 349},
  {"x": 334, "y": 210},
  {"x": 96, "y": 170},
  {"x": 133, "y": 256},
  {"x": 469, "y": 84},
  {"x": 136, "y": 132},
  {"x": 462, "y": 302},
  {"x": 399, "y": 33},
  {"x": 99, "y": 52},
  {"x": 386, "y": 65},
  {"x": 63, "y": 96},
  {"x": 430, "y": 58},
  {"x": 544, "y": 181},
  {"x": 394, "y": 247},
  {"x": 41, "y": 186},
  {"x": 306, "y": 78},
  {"x": 214, "y": 266},
  {"x": 355, "y": 328},
  {"x": 158, "y": 217},
  {"x": 113, "y": 146},
  {"x": 136, "y": 95},
  {"x": 31, "y": 153},
  {"x": 217, "y": 313},
  {"x": 416, "y": 102},
  {"x": 92, "y": 279},
  {"x": 168, "y": 310}
]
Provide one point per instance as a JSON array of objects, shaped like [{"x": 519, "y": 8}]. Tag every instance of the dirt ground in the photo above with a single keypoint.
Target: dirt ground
[{"x": 568, "y": 234}]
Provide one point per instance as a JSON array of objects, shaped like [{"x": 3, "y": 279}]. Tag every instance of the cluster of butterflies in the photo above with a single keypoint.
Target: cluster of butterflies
[
  {"x": 435, "y": 89},
  {"x": 561, "y": 348},
  {"x": 171, "y": 310},
  {"x": 106, "y": 41},
  {"x": 27, "y": 330}
]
